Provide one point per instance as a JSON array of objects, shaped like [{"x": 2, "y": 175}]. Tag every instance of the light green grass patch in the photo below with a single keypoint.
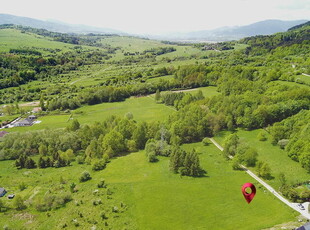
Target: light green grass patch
[
  {"x": 277, "y": 158},
  {"x": 142, "y": 108},
  {"x": 132, "y": 44},
  {"x": 47, "y": 122},
  {"x": 159, "y": 199},
  {"x": 11, "y": 38}
]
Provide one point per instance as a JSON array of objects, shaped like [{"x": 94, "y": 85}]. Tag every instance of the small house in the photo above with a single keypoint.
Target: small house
[
  {"x": 32, "y": 117},
  {"x": 26, "y": 122},
  {"x": 2, "y": 192}
]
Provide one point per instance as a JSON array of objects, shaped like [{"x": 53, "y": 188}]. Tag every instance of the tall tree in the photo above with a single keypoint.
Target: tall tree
[
  {"x": 157, "y": 95},
  {"x": 114, "y": 141},
  {"x": 140, "y": 135},
  {"x": 42, "y": 105}
]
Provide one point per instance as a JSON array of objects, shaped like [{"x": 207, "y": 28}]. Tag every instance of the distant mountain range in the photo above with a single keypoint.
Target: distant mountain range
[
  {"x": 266, "y": 27},
  {"x": 54, "y": 26},
  {"x": 221, "y": 34}
]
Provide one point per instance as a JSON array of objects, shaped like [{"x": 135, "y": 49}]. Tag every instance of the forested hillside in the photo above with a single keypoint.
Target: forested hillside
[{"x": 262, "y": 85}]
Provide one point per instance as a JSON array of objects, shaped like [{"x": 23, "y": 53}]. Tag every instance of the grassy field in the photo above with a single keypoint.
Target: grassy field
[
  {"x": 208, "y": 91},
  {"x": 142, "y": 108},
  {"x": 162, "y": 200},
  {"x": 81, "y": 210},
  {"x": 294, "y": 83},
  {"x": 151, "y": 111},
  {"x": 132, "y": 44},
  {"x": 273, "y": 155},
  {"x": 303, "y": 78},
  {"x": 147, "y": 194},
  {"x": 10, "y": 38}
]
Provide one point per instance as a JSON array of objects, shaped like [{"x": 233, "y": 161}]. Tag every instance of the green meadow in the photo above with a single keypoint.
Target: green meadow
[
  {"x": 143, "y": 109},
  {"x": 277, "y": 158},
  {"x": 146, "y": 195},
  {"x": 139, "y": 194},
  {"x": 10, "y": 39},
  {"x": 196, "y": 203},
  {"x": 132, "y": 44}
]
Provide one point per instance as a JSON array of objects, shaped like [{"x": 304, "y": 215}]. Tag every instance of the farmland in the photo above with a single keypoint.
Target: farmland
[
  {"x": 149, "y": 193},
  {"x": 123, "y": 143}
]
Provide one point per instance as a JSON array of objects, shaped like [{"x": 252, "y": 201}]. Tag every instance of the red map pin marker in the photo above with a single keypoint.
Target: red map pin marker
[{"x": 248, "y": 196}]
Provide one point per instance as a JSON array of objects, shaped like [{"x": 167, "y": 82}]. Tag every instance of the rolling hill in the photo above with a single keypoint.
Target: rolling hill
[
  {"x": 54, "y": 26},
  {"x": 266, "y": 27}
]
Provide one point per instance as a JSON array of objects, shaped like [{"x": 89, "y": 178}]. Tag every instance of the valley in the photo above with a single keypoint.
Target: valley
[{"x": 123, "y": 139}]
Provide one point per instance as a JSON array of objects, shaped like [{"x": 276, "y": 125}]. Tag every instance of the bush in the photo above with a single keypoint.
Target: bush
[
  {"x": 101, "y": 184},
  {"x": 2, "y": 206},
  {"x": 263, "y": 170},
  {"x": 19, "y": 203},
  {"x": 52, "y": 202},
  {"x": 236, "y": 163},
  {"x": 262, "y": 136},
  {"x": 72, "y": 187},
  {"x": 152, "y": 157},
  {"x": 282, "y": 143},
  {"x": 103, "y": 216},
  {"x": 205, "y": 141},
  {"x": 99, "y": 165},
  {"x": 22, "y": 186},
  {"x": 85, "y": 177},
  {"x": 80, "y": 160}
]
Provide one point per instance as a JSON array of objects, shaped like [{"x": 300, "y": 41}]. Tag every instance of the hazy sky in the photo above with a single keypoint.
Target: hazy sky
[{"x": 159, "y": 16}]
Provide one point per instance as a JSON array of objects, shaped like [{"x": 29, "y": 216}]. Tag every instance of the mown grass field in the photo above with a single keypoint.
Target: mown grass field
[
  {"x": 277, "y": 158},
  {"x": 196, "y": 203},
  {"x": 10, "y": 38},
  {"x": 132, "y": 44},
  {"x": 142, "y": 108},
  {"x": 152, "y": 197}
]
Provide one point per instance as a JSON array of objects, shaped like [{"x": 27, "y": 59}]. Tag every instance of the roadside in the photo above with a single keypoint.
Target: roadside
[
  {"x": 268, "y": 187},
  {"x": 305, "y": 74}
]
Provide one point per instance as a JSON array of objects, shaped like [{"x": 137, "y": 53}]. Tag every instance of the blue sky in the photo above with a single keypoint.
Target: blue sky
[{"x": 159, "y": 16}]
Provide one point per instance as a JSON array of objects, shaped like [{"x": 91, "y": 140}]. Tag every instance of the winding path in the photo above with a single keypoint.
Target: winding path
[{"x": 267, "y": 186}]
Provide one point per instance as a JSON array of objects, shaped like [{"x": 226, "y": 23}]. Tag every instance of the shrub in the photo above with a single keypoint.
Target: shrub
[
  {"x": 263, "y": 170},
  {"x": 205, "y": 141},
  {"x": 85, "y": 177},
  {"x": 72, "y": 187},
  {"x": 52, "y": 202},
  {"x": 103, "y": 216},
  {"x": 80, "y": 160},
  {"x": 19, "y": 203},
  {"x": 2, "y": 206},
  {"x": 262, "y": 136},
  {"x": 101, "y": 184},
  {"x": 22, "y": 186},
  {"x": 282, "y": 143},
  {"x": 236, "y": 163},
  {"x": 152, "y": 157},
  {"x": 99, "y": 165}
]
